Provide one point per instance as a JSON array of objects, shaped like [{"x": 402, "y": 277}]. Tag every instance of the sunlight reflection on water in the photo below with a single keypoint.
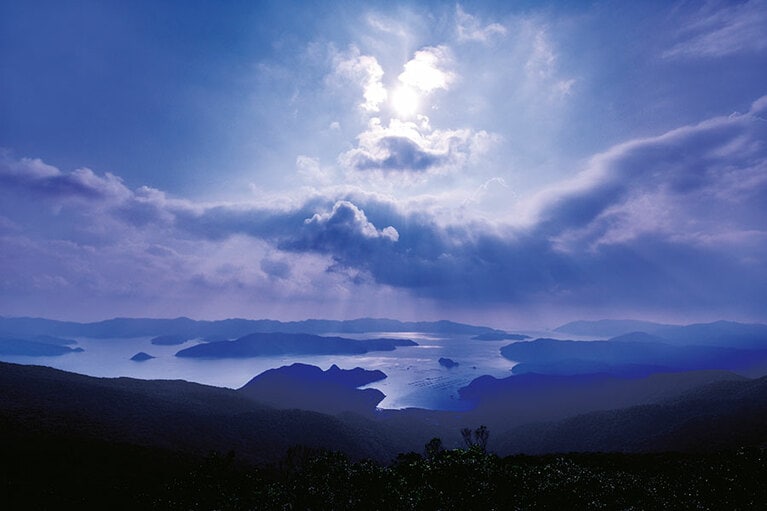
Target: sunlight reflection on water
[{"x": 415, "y": 377}]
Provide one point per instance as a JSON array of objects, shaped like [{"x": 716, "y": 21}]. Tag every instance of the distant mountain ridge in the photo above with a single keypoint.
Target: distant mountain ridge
[
  {"x": 229, "y": 328},
  {"x": 718, "y": 333},
  {"x": 552, "y": 356},
  {"x": 606, "y": 328}
]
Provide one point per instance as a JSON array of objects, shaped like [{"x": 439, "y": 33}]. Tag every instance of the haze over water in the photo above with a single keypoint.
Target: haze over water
[{"x": 414, "y": 376}]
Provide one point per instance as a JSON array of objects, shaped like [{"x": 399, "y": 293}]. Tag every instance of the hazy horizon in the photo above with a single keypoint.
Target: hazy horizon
[{"x": 523, "y": 328}]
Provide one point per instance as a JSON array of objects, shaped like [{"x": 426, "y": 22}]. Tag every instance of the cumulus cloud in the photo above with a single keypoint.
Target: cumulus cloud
[
  {"x": 719, "y": 29},
  {"x": 426, "y": 70},
  {"x": 140, "y": 252},
  {"x": 367, "y": 73},
  {"x": 674, "y": 221},
  {"x": 413, "y": 147},
  {"x": 404, "y": 144},
  {"x": 455, "y": 263},
  {"x": 396, "y": 153},
  {"x": 344, "y": 226}
]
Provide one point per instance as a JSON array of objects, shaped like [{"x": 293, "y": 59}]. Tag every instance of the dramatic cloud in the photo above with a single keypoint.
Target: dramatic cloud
[
  {"x": 344, "y": 223},
  {"x": 411, "y": 147},
  {"x": 644, "y": 224},
  {"x": 493, "y": 158},
  {"x": 712, "y": 172},
  {"x": 397, "y": 153}
]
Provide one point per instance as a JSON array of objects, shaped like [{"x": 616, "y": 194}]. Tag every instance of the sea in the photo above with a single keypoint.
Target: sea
[{"x": 415, "y": 378}]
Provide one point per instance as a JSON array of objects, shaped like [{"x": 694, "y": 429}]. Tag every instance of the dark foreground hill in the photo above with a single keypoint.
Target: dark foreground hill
[
  {"x": 505, "y": 403},
  {"x": 77, "y": 442},
  {"x": 709, "y": 418},
  {"x": 72, "y": 473},
  {"x": 173, "y": 415},
  {"x": 677, "y": 412}
]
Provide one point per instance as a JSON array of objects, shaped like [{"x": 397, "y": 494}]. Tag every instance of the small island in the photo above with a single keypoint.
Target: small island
[
  {"x": 141, "y": 357},
  {"x": 447, "y": 362}
]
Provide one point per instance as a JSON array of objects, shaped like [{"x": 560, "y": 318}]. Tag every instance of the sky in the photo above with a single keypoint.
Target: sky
[{"x": 517, "y": 164}]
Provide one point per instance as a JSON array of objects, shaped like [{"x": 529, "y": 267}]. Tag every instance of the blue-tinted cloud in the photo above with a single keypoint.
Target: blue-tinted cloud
[
  {"x": 711, "y": 174},
  {"x": 34, "y": 176},
  {"x": 675, "y": 221},
  {"x": 397, "y": 153},
  {"x": 321, "y": 160},
  {"x": 414, "y": 148},
  {"x": 720, "y": 29},
  {"x": 344, "y": 232},
  {"x": 366, "y": 72},
  {"x": 277, "y": 269}
]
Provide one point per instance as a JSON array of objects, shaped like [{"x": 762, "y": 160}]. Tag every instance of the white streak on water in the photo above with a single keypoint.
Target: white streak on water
[{"x": 415, "y": 378}]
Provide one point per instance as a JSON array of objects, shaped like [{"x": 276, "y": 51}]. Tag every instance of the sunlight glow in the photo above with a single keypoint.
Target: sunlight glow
[
  {"x": 424, "y": 71},
  {"x": 405, "y": 101}
]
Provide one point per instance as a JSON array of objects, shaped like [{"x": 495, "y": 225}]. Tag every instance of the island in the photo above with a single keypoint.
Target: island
[
  {"x": 629, "y": 358},
  {"x": 308, "y": 387},
  {"x": 447, "y": 362},
  {"x": 269, "y": 344},
  {"x": 27, "y": 348}
]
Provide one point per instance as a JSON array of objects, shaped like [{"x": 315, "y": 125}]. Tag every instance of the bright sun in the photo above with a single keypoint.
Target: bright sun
[{"x": 405, "y": 101}]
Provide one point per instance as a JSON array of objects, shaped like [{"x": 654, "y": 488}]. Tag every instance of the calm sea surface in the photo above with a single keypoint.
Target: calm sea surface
[{"x": 415, "y": 378}]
